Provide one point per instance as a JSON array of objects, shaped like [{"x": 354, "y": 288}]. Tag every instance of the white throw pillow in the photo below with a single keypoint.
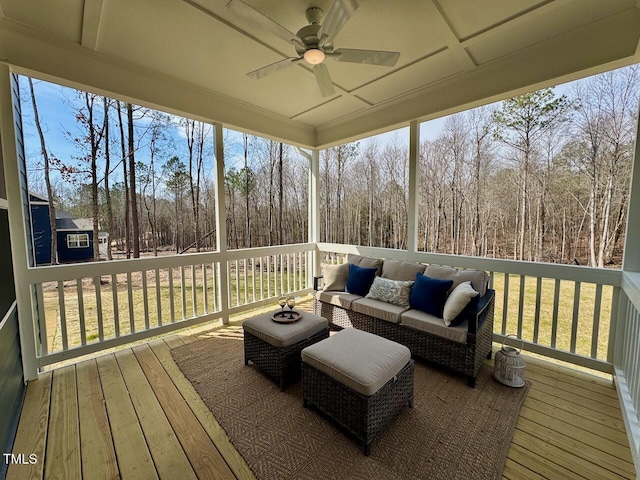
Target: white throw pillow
[
  {"x": 458, "y": 299},
  {"x": 395, "y": 292}
]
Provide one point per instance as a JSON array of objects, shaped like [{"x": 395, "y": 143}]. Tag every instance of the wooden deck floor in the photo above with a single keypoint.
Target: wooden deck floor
[{"x": 132, "y": 415}]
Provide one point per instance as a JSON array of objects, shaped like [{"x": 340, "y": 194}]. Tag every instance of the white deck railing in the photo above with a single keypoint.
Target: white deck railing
[
  {"x": 627, "y": 361},
  {"x": 88, "y": 307}
]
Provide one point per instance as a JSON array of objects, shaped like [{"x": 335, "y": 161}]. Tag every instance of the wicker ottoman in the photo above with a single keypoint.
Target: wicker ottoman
[
  {"x": 358, "y": 379},
  {"x": 275, "y": 347}
]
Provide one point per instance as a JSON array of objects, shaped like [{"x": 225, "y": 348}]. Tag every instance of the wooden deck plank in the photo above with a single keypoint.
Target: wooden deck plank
[
  {"x": 577, "y": 448},
  {"x": 515, "y": 471},
  {"x": 539, "y": 464},
  {"x": 558, "y": 385},
  {"x": 562, "y": 395},
  {"x": 590, "y": 382},
  {"x": 187, "y": 338},
  {"x": 134, "y": 459},
  {"x": 169, "y": 458},
  {"x": 202, "y": 412},
  {"x": 174, "y": 341},
  {"x": 62, "y": 459},
  {"x": 31, "y": 436},
  {"x": 98, "y": 454},
  {"x": 596, "y": 415},
  {"x": 201, "y": 451},
  {"x": 585, "y": 423},
  {"x": 560, "y": 456},
  {"x": 608, "y": 446},
  {"x": 553, "y": 368}
]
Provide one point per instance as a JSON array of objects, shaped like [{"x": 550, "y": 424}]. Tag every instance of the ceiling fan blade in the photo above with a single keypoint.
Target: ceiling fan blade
[
  {"x": 264, "y": 22},
  {"x": 371, "y": 57},
  {"x": 338, "y": 15},
  {"x": 324, "y": 80},
  {"x": 274, "y": 67}
]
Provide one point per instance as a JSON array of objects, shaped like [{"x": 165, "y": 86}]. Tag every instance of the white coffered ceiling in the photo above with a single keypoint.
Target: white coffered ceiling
[{"x": 192, "y": 56}]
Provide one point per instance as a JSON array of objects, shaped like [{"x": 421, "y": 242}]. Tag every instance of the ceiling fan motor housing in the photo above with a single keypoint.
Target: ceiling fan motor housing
[{"x": 309, "y": 37}]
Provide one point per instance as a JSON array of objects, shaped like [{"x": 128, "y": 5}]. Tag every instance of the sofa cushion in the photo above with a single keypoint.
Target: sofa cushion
[
  {"x": 335, "y": 277},
  {"x": 401, "y": 270},
  {"x": 360, "y": 279},
  {"x": 376, "y": 308},
  {"x": 478, "y": 278},
  {"x": 391, "y": 291},
  {"x": 429, "y": 294},
  {"x": 339, "y": 299},
  {"x": 366, "y": 262},
  {"x": 362, "y": 361},
  {"x": 434, "y": 325},
  {"x": 457, "y": 302}
]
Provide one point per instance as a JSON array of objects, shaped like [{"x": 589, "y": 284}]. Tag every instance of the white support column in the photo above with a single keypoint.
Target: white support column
[
  {"x": 314, "y": 214},
  {"x": 16, "y": 228},
  {"x": 221, "y": 223},
  {"x": 412, "y": 220},
  {"x": 631, "y": 256}
]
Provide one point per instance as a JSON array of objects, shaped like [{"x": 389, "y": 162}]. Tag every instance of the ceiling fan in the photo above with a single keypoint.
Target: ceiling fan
[{"x": 314, "y": 42}]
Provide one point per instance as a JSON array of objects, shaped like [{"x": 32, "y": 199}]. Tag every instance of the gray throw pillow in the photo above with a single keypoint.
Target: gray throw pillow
[{"x": 335, "y": 277}]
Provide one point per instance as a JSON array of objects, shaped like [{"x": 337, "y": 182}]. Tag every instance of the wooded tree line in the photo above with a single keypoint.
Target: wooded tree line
[
  {"x": 147, "y": 178},
  {"x": 541, "y": 177}
]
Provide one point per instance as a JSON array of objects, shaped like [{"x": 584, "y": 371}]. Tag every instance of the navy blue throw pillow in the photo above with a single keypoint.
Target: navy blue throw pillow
[
  {"x": 429, "y": 294},
  {"x": 360, "y": 279}
]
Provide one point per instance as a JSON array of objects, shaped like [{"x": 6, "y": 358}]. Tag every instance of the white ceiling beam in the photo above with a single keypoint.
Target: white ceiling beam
[
  {"x": 33, "y": 52},
  {"x": 451, "y": 39},
  {"x": 91, "y": 23},
  {"x": 594, "y": 48},
  {"x": 514, "y": 22}
]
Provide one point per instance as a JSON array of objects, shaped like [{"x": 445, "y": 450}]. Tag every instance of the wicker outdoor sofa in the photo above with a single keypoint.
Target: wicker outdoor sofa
[{"x": 462, "y": 347}]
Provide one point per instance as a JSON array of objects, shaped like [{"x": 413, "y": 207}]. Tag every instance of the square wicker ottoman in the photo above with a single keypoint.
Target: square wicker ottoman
[
  {"x": 359, "y": 380},
  {"x": 275, "y": 347}
]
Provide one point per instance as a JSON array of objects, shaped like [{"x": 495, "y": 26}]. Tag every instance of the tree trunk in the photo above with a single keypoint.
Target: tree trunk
[
  {"x": 47, "y": 179},
  {"x": 280, "y": 196},
  {"x": 107, "y": 171},
  {"x": 132, "y": 184},
  {"x": 125, "y": 179}
]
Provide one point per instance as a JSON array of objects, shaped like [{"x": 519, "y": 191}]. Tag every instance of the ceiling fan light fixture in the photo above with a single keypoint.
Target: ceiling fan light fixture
[{"x": 314, "y": 56}]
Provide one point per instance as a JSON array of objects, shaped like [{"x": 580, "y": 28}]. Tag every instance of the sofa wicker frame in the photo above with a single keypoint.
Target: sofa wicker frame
[
  {"x": 362, "y": 416},
  {"x": 280, "y": 363},
  {"x": 466, "y": 358}
]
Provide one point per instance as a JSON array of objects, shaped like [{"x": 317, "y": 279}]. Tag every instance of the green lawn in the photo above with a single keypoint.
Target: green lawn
[{"x": 565, "y": 313}]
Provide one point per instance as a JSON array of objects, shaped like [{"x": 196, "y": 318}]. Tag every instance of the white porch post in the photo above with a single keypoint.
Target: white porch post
[
  {"x": 412, "y": 220},
  {"x": 16, "y": 227},
  {"x": 221, "y": 224},
  {"x": 631, "y": 256},
  {"x": 314, "y": 215}
]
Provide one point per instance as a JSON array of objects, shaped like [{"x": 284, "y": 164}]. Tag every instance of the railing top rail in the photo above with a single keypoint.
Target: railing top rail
[
  {"x": 576, "y": 273},
  {"x": 93, "y": 269}
]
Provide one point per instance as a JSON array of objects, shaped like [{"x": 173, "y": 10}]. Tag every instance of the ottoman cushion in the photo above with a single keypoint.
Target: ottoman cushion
[
  {"x": 284, "y": 334},
  {"x": 360, "y": 360}
]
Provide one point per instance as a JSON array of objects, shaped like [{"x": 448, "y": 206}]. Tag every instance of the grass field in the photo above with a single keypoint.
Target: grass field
[
  {"x": 132, "y": 311},
  {"x": 565, "y": 313}
]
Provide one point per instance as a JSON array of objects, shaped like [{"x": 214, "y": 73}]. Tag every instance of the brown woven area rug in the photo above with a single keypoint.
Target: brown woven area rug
[{"x": 453, "y": 431}]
